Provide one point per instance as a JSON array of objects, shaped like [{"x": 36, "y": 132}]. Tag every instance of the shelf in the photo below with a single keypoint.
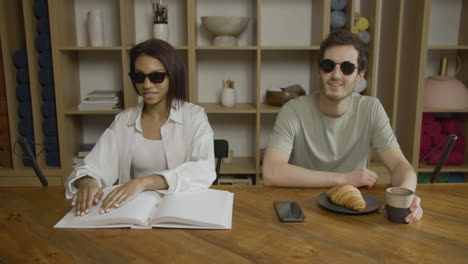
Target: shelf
[
  {"x": 247, "y": 8},
  {"x": 267, "y": 109},
  {"x": 239, "y": 165},
  {"x": 256, "y": 47},
  {"x": 214, "y": 66},
  {"x": 448, "y": 47},
  {"x": 176, "y": 47},
  {"x": 27, "y": 172},
  {"x": 111, "y": 20},
  {"x": 226, "y": 48},
  {"x": 88, "y": 48},
  {"x": 288, "y": 24},
  {"x": 282, "y": 68},
  {"x": 239, "y": 108},
  {"x": 315, "y": 47},
  {"x": 430, "y": 168},
  {"x": 439, "y": 110},
  {"x": 93, "y": 112}
]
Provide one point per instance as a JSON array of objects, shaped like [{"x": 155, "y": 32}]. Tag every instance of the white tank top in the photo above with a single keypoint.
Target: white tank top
[{"x": 149, "y": 157}]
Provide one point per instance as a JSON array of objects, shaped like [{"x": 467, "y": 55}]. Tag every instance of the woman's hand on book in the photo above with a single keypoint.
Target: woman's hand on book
[
  {"x": 88, "y": 194},
  {"x": 122, "y": 195}
]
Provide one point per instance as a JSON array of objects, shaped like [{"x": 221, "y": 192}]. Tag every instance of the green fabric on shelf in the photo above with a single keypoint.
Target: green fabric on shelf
[{"x": 425, "y": 177}]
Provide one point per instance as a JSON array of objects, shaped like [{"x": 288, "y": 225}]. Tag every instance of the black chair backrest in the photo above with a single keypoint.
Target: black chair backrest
[{"x": 221, "y": 150}]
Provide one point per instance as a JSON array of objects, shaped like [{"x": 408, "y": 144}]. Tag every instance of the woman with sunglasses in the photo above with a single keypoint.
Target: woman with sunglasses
[
  {"x": 323, "y": 139},
  {"x": 163, "y": 143}
]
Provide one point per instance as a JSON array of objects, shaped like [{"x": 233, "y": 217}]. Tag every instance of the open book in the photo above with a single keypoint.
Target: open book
[{"x": 204, "y": 209}]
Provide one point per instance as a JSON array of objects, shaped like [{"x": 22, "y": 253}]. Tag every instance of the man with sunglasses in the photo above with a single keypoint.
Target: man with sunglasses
[{"x": 323, "y": 139}]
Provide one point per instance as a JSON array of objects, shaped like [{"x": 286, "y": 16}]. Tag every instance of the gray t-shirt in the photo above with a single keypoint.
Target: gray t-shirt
[{"x": 318, "y": 142}]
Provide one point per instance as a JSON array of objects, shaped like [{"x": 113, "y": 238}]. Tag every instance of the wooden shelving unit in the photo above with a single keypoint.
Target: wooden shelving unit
[
  {"x": 459, "y": 47},
  {"x": 269, "y": 53},
  {"x": 18, "y": 31},
  {"x": 404, "y": 65}
]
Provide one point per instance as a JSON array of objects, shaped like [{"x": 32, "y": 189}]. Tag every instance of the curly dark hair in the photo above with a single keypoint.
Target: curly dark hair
[
  {"x": 343, "y": 37},
  {"x": 168, "y": 56}
]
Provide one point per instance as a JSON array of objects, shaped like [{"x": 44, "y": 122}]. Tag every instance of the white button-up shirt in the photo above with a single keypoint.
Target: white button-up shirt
[{"x": 188, "y": 145}]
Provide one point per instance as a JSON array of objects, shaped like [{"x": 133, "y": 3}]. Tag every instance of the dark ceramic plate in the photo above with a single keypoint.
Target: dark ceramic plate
[{"x": 372, "y": 205}]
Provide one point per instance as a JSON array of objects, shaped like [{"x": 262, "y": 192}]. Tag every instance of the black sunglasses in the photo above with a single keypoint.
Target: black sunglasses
[
  {"x": 154, "y": 77},
  {"x": 346, "y": 67}
]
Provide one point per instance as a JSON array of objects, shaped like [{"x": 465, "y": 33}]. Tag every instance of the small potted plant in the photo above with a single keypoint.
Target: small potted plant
[
  {"x": 228, "y": 94},
  {"x": 160, "y": 26}
]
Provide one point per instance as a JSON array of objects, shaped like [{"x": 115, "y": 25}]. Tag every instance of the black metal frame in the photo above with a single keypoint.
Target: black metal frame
[{"x": 221, "y": 150}]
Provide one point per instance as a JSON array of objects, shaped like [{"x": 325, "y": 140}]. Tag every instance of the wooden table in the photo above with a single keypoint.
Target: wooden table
[{"x": 28, "y": 214}]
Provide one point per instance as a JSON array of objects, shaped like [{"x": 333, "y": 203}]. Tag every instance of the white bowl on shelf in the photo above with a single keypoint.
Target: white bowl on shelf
[{"x": 225, "y": 29}]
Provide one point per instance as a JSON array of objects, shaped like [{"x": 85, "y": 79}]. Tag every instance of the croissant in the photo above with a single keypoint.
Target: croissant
[{"x": 347, "y": 196}]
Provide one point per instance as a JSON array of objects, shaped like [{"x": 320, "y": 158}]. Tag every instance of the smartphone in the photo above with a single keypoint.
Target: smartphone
[{"x": 289, "y": 212}]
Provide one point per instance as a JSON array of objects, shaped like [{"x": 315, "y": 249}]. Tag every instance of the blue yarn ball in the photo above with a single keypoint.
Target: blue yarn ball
[
  {"x": 338, "y": 4},
  {"x": 364, "y": 36},
  {"x": 20, "y": 58},
  {"x": 337, "y": 19}
]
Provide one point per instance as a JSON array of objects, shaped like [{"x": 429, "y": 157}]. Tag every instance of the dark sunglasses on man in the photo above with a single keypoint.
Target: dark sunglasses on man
[
  {"x": 346, "y": 67},
  {"x": 154, "y": 77}
]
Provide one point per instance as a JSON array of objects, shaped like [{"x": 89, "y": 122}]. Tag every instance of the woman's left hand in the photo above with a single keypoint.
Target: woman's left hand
[{"x": 122, "y": 195}]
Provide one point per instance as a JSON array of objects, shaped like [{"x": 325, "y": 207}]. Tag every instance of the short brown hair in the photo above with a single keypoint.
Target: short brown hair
[
  {"x": 168, "y": 56},
  {"x": 341, "y": 38}
]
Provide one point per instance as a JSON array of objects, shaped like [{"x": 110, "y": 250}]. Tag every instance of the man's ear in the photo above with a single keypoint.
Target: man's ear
[{"x": 360, "y": 75}]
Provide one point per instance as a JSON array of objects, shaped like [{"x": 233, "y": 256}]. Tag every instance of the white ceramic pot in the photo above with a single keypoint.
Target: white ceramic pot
[
  {"x": 228, "y": 97},
  {"x": 161, "y": 31},
  {"x": 95, "y": 26}
]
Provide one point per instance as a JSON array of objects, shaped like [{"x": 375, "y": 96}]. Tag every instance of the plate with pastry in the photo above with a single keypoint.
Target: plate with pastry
[{"x": 347, "y": 199}]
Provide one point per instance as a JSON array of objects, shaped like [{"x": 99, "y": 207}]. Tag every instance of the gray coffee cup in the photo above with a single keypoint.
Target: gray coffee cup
[{"x": 398, "y": 203}]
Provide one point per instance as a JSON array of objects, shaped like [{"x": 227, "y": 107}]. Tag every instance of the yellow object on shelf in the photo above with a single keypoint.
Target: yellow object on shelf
[
  {"x": 362, "y": 23},
  {"x": 443, "y": 66}
]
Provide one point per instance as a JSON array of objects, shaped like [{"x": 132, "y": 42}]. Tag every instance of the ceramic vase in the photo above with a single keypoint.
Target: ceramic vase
[
  {"x": 161, "y": 31},
  {"x": 228, "y": 97},
  {"x": 445, "y": 92},
  {"x": 95, "y": 28},
  {"x": 442, "y": 91}
]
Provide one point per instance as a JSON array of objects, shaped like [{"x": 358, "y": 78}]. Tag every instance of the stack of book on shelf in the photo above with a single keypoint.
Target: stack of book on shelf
[
  {"x": 84, "y": 150},
  {"x": 101, "y": 100}
]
